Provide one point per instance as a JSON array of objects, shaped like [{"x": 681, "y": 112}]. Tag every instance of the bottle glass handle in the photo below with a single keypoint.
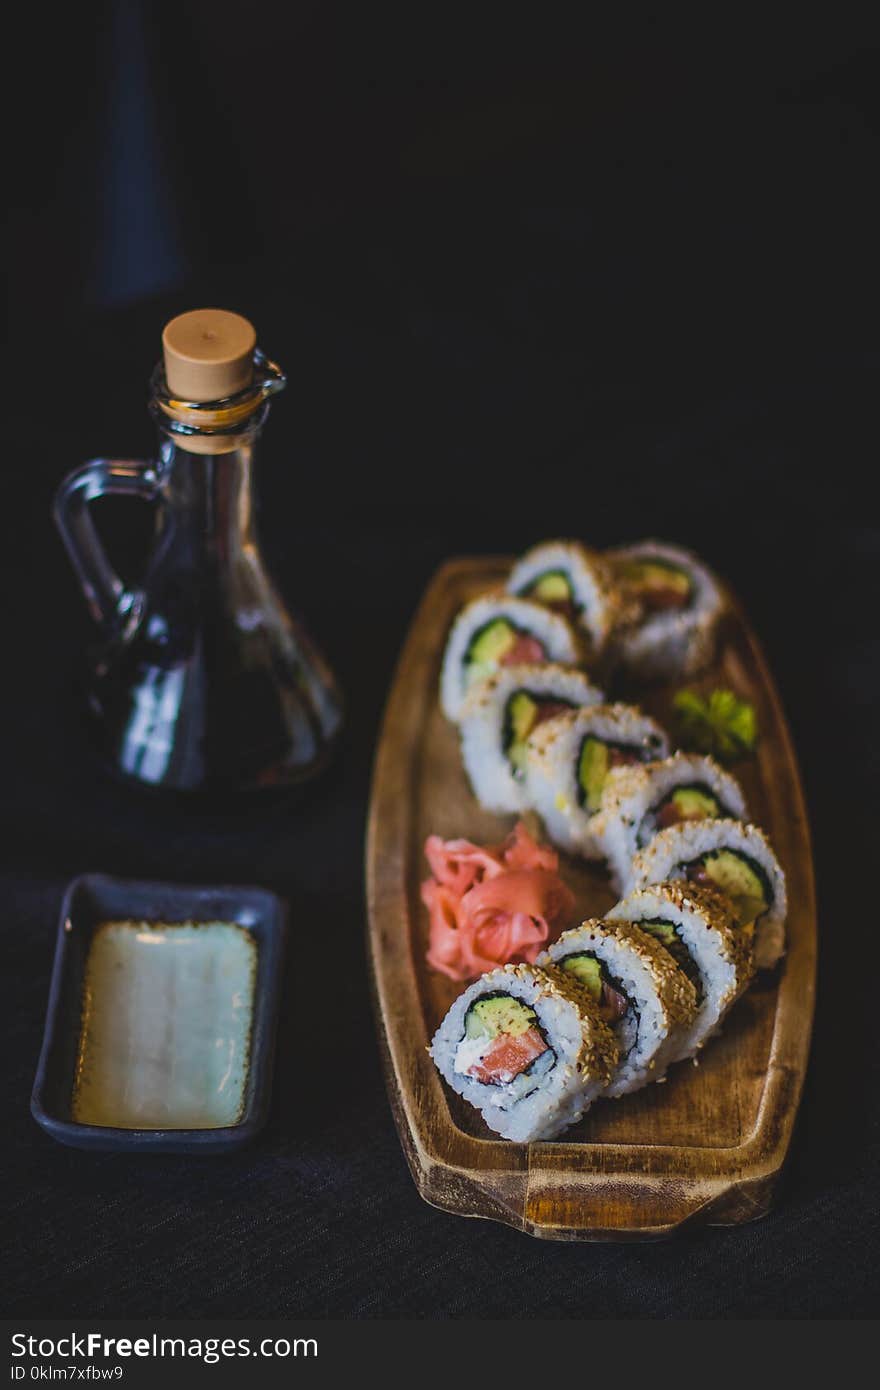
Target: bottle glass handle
[{"x": 110, "y": 603}]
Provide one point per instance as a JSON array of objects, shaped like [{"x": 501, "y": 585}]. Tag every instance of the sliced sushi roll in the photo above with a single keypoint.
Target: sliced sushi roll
[
  {"x": 679, "y": 605},
  {"x": 734, "y": 858},
  {"x": 574, "y": 580},
  {"x": 648, "y": 1002},
  {"x": 568, "y": 761},
  {"x": 697, "y": 926},
  {"x": 497, "y": 630},
  {"x": 637, "y": 802},
  {"x": 499, "y": 715},
  {"x": 528, "y": 1048}
]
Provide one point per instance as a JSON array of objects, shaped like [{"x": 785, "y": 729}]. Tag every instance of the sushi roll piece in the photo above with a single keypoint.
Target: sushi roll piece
[
  {"x": 568, "y": 761},
  {"x": 528, "y": 1048},
  {"x": 697, "y": 927},
  {"x": 497, "y": 630},
  {"x": 734, "y": 858},
  {"x": 637, "y": 802},
  {"x": 499, "y": 715},
  {"x": 574, "y": 580},
  {"x": 647, "y": 1001},
  {"x": 678, "y": 605}
]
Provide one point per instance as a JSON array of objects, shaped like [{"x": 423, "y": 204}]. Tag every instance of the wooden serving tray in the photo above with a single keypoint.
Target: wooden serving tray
[{"x": 705, "y": 1146}]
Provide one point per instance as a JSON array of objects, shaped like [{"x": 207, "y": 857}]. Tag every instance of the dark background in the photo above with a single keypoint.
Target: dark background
[{"x": 525, "y": 281}]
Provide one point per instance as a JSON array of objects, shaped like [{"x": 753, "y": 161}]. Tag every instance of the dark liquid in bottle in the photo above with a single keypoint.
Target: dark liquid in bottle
[{"x": 218, "y": 689}]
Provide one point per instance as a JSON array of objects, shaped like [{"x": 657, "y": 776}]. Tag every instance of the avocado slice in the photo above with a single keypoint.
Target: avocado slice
[
  {"x": 488, "y": 647},
  {"x": 552, "y": 587},
  {"x": 494, "y": 1014},
  {"x": 586, "y": 969},
  {"x": 523, "y": 713},
  {"x": 744, "y": 881},
  {"x": 659, "y": 583},
  {"x": 659, "y": 927},
  {"x": 696, "y": 803},
  {"x": 591, "y": 772},
  {"x": 685, "y": 803},
  {"x": 596, "y": 759},
  {"x": 667, "y": 934}
]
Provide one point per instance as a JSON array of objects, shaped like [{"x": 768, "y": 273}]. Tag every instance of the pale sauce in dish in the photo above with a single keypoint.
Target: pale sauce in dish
[{"x": 166, "y": 1026}]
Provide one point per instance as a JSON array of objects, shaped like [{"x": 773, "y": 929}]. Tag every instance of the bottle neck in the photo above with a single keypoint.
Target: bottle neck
[
  {"x": 211, "y": 495},
  {"x": 207, "y": 451}
]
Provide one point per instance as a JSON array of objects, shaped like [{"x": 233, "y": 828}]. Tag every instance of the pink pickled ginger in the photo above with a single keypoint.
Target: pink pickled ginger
[{"x": 491, "y": 906}]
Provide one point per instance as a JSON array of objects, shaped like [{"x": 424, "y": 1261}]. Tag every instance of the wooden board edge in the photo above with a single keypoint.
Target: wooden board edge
[{"x": 455, "y": 1152}]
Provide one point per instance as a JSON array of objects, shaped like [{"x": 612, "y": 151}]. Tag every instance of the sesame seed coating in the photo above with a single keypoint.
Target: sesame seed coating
[
  {"x": 675, "y": 992},
  {"x": 715, "y": 910},
  {"x": 599, "y": 1051}
]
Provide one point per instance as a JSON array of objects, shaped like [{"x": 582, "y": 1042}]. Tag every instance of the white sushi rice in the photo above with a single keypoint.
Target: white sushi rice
[
  {"x": 651, "y": 1032},
  {"x": 496, "y": 783},
  {"x": 555, "y": 1094},
  {"x": 678, "y": 642},
  {"x": 706, "y": 927},
  {"x": 559, "y": 638},
  {"x": 623, "y": 824},
  {"x": 552, "y": 787},
  {"x": 670, "y": 850},
  {"x": 595, "y": 597}
]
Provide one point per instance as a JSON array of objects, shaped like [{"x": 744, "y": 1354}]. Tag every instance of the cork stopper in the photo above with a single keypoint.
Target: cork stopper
[{"x": 208, "y": 354}]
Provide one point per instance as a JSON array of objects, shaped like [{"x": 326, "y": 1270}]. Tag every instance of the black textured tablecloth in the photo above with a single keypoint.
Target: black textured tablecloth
[{"x": 608, "y": 335}]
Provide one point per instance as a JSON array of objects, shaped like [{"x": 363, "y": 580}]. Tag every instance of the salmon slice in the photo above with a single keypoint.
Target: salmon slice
[
  {"x": 659, "y": 599},
  {"x": 623, "y": 757},
  {"x": 670, "y": 814},
  {"x": 612, "y": 1005},
  {"x": 548, "y": 709},
  {"x": 508, "y": 1057},
  {"x": 525, "y": 651}
]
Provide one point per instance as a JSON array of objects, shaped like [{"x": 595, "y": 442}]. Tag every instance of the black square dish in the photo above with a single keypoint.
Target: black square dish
[{"x": 94, "y": 899}]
